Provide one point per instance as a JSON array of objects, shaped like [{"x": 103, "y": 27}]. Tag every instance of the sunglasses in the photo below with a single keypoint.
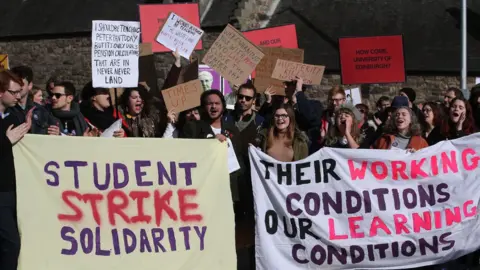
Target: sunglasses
[
  {"x": 57, "y": 95},
  {"x": 247, "y": 98}
]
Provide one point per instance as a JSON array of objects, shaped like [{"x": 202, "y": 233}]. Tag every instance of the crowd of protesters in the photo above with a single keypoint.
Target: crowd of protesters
[{"x": 288, "y": 128}]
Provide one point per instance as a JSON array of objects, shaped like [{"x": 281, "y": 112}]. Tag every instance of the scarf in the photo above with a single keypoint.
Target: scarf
[
  {"x": 100, "y": 119},
  {"x": 73, "y": 114},
  {"x": 242, "y": 124}
]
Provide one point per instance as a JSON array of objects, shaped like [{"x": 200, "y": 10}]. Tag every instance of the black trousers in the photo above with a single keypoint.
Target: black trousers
[{"x": 9, "y": 235}]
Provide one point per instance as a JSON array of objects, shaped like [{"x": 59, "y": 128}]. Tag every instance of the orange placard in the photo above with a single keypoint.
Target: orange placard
[
  {"x": 153, "y": 16},
  {"x": 4, "y": 61}
]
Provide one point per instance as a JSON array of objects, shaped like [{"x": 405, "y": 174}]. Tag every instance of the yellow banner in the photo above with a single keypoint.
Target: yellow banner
[
  {"x": 4, "y": 61},
  {"x": 102, "y": 203}
]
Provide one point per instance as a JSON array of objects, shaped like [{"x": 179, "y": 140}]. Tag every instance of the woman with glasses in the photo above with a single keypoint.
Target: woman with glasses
[
  {"x": 283, "y": 140},
  {"x": 432, "y": 123}
]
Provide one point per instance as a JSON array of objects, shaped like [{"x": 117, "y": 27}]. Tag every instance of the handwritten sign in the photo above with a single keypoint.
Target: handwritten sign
[
  {"x": 183, "y": 96},
  {"x": 287, "y": 70},
  {"x": 377, "y": 59},
  {"x": 4, "y": 63},
  {"x": 153, "y": 17},
  {"x": 233, "y": 56},
  {"x": 115, "y": 52},
  {"x": 178, "y": 33},
  {"x": 131, "y": 202},
  {"x": 266, "y": 66}
]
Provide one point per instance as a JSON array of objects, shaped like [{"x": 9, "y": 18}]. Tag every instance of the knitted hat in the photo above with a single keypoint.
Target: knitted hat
[
  {"x": 399, "y": 101},
  {"x": 355, "y": 111},
  {"x": 410, "y": 93}
]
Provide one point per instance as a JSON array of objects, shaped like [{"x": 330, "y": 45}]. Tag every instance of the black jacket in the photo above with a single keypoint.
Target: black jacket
[
  {"x": 7, "y": 165},
  {"x": 41, "y": 117}
]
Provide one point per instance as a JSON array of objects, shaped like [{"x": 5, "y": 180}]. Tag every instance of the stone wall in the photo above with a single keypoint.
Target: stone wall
[{"x": 69, "y": 59}]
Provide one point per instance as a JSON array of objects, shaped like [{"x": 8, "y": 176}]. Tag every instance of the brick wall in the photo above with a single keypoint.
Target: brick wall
[{"x": 69, "y": 59}]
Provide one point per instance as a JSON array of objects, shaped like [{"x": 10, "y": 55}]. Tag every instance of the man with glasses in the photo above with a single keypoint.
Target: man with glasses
[
  {"x": 43, "y": 123},
  {"x": 11, "y": 131}
]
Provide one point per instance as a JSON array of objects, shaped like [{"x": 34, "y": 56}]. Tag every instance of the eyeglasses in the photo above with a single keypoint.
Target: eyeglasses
[
  {"x": 57, "y": 95},
  {"x": 281, "y": 116},
  {"x": 361, "y": 111},
  {"x": 247, "y": 98},
  {"x": 14, "y": 93},
  {"x": 427, "y": 110}
]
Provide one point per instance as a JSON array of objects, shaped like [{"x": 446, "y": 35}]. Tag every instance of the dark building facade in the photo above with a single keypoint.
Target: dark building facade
[{"x": 53, "y": 36}]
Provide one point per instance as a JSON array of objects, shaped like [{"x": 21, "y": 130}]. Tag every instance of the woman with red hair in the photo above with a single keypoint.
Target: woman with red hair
[{"x": 460, "y": 119}]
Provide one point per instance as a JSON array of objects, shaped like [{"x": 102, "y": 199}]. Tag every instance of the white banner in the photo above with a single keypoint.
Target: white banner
[
  {"x": 375, "y": 209},
  {"x": 115, "y": 51},
  {"x": 178, "y": 33}
]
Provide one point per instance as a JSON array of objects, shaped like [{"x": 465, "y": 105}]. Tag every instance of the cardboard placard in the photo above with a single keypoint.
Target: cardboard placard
[
  {"x": 266, "y": 66},
  {"x": 153, "y": 16},
  {"x": 377, "y": 59},
  {"x": 115, "y": 52},
  {"x": 288, "y": 70},
  {"x": 183, "y": 96},
  {"x": 178, "y": 34},
  {"x": 233, "y": 56},
  {"x": 145, "y": 49},
  {"x": 4, "y": 61},
  {"x": 280, "y": 36}
]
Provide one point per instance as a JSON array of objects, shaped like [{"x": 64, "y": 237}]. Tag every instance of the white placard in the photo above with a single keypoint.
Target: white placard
[
  {"x": 233, "y": 164},
  {"x": 115, "y": 51},
  {"x": 367, "y": 209},
  {"x": 178, "y": 33},
  {"x": 116, "y": 126},
  {"x": 354, "y": 95}
]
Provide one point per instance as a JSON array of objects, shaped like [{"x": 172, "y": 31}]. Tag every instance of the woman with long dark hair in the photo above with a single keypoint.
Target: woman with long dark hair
[
  {"x": 282, "y": 140},
  {"x": 141, "y": 116},
  {"x": 432, "y": 123}
]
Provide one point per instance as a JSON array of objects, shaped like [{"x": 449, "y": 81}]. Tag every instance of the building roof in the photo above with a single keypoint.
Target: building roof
[
  {"x": 430, "y": 29},
  {"x": 39, "y": 17}
]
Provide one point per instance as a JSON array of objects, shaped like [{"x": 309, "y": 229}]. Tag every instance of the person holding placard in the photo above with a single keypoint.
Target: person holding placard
[
  {"x": 213, "y": 125},
  {"x": 97, "y": 109}
]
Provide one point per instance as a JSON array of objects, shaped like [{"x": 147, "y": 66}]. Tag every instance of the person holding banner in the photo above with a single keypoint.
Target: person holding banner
[
  {"x": 460, "y": 120},
  {"x": 346, "y": 132},
  {"x": 10, "y": 88},
  {"x": 282, "y": 140},
  {"x": 402, "y": 132}
]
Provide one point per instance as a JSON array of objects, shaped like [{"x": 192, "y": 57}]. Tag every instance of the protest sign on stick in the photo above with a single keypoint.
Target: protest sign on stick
[
  {"x": 365, "y": 209},
  {"x": 233, "y": 56},
  {"x": 115, "y": 51},
  {"x": 288, "y": 70},
  {"x": 183, "y": 96},
  {"x": 101, "y": 203},
  {"x": 178, "y": 33},
  {"x": 266, "y": 66}
]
